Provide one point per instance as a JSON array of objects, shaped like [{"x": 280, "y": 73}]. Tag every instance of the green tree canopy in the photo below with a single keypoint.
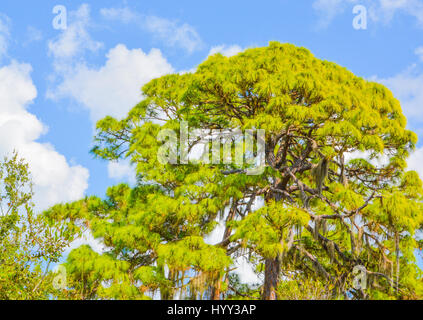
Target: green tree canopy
[{"x": 335, "y": 188}]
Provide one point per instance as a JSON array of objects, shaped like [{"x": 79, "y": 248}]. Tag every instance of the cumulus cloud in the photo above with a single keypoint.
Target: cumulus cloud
[
  {"x": 114, "y": 88},
  {"x": 54, "y": 179},
  {"x": 226, "y": 50},
  {"x": 170, "y": 32}
]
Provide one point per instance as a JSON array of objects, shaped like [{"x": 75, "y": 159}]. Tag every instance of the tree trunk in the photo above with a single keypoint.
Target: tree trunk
[
  {"x": 216, "y": 291},
  {"x": 397, "y": 256},
  {"x": 271, "y": 278},
  {"x": 272, "y": 268}
]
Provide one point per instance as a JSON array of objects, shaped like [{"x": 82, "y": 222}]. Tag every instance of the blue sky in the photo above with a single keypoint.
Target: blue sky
[{"x": 54, "y": 84}]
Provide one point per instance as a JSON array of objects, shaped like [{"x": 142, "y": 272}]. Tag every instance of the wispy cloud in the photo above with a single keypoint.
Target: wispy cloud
[
  {"x": 33, "y": 35},
  {"x": 328, "y": 10},
  {"x": 124, "y": 15},
  {"x": 419, "y": 52},
  {"x": 4, "y": 34},
  {"x": 379, "y": 11},
  {"x": 171, "y": 32},
  {"x": 387, "y": 9}
]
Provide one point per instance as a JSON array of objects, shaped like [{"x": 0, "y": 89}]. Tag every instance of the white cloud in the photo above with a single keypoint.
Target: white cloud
[
  {"x": 407, "y": 87},
  {"x": 216, "y": 235},
  {"x": 379, "y": 162},
  {"x": 87, "y": 238},
  {"x": 54, "y": 179},
  {"x": 415, "y": 162},
  {"x": 226, "y": 50},
  {"x": 244, "y": 268},
  {"x": 114, "y": 88},
  {"x": 122, "y": 170},
  {"x": 246, "y": 273},
  {"x": 170, "y": 32},
  {"x": 75, "y": 39},
  {"x": 388, "y": 8}
]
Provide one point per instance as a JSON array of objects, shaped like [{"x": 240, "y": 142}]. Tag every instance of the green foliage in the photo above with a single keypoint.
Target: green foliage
[
  {"x": 322, "y": 216},
  {"x": 28, "y": 243},
  {"x": 265, "y": 228},
  {"x": 143, "y": 230}
]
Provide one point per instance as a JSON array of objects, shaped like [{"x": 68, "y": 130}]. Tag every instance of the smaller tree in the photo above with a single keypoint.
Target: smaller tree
[
  {"x": 148, "y": 250},
  {"x": 28, "y": 243}
]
